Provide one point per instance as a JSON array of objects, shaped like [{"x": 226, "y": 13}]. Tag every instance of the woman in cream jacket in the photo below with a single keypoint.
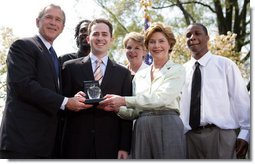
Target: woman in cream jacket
[{"x": 158, "y": 131}]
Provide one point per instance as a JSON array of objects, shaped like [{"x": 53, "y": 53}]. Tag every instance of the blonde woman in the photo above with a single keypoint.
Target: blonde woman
[{"x": 135, "y": 52}]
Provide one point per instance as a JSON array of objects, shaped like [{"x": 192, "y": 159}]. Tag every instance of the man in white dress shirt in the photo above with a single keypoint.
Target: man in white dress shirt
[{"x": 224, "y": 103}]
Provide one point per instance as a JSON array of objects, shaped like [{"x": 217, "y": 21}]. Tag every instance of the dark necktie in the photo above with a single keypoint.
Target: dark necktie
[
  {"x": 54, "y": 59},
  {"x": 194, "y": 119}
]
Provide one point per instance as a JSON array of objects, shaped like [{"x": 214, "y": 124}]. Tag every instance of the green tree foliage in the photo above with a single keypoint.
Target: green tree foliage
[
  {"x": 126, "y": 16},
  {"x": 223, "y": 45},
  {"x": 230, "y": 15},
  {"x": 229, "y": 19}
]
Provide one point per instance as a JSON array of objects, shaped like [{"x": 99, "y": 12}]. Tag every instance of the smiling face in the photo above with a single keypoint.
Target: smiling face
[
  {"x": 51, "y": 23},
  {"x": 197, "y": 40},
  {"x": 100, "y": 39},
  {"x": 159, "y": 46},
  {"x": 135, "y": 52}
]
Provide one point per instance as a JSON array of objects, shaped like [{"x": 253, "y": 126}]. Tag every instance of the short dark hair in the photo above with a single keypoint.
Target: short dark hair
[
  {"x": 101, "y": 20},
  {"x": 77, "y": 30},
  {"x": 201, "y": 25}
]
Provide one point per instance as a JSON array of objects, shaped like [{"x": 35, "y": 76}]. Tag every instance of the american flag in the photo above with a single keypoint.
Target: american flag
[{"x": 148, "y": 58}]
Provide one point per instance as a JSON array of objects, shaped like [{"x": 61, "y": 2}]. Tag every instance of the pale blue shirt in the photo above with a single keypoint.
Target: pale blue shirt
[
  {"x": 94, "y": 58},
  {"x": 225, "y": 100}
]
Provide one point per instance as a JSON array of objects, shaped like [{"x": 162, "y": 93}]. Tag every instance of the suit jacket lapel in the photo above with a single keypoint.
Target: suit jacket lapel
[
  {"x": 107, "y": 75},
  {"x": 87, "y": 71},
  {"x": 46, "y": 54}
]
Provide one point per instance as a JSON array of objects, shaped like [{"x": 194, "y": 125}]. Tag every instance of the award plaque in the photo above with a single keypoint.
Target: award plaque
[{"x": 93, "y": 92}]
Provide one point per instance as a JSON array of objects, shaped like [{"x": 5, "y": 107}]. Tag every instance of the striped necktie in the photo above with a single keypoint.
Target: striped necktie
[{"x": 98, "y": 75}]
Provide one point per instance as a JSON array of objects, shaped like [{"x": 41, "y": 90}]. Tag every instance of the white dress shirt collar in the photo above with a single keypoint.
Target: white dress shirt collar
[
  {"x": 45, "y": 42},
  {"x": 203, "y": 60}
]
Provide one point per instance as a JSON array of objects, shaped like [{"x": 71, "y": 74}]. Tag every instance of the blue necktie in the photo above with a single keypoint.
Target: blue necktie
[
  {"x": 54, "y": 59},
  {"x": 194, "y": 119}
]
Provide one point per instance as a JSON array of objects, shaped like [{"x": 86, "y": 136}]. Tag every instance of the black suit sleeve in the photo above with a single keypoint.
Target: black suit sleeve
[
  {"x": 30, "y": 77},
  {"x": 66, "y": 81},
  {"x": 126, "y": 125}
]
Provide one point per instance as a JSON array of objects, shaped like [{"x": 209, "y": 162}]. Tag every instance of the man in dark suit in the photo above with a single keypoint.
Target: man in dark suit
[
  {"x": 81, "y": 33},
  {"x": 94, "y": 133},
  {"x": 29, "y": 123}
]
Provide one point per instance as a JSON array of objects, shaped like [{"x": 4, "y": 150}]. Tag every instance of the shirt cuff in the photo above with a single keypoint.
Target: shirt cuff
[
  {"x": 244, "y": 134},
  {"x": 130, "y": 100},
  {"x": 127, "y": 113},
  {"x": 64, "y": 103}
]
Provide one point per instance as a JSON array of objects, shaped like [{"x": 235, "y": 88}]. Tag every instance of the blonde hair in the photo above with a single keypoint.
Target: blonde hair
[
  {"x": 160, "y": 27},
  {"x": 138, "y": 37}
]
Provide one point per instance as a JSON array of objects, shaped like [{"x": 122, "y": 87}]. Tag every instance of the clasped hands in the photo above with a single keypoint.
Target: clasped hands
[{"x": 111, "y": 102}]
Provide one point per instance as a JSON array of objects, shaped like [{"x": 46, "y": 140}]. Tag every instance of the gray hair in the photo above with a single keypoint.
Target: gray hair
[{"x": 42, "y": 12}]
